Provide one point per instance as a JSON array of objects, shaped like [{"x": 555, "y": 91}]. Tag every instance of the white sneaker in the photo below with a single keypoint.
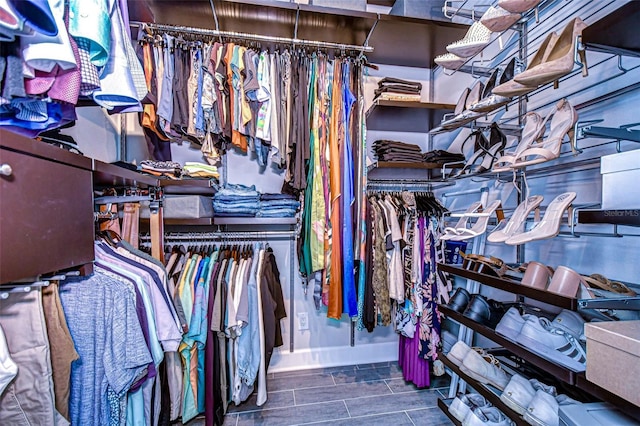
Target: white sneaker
[
  {"x": 511, "y": 323},
  {"x": 485, "y": 369},
  {"x": 540, "y": 336},
  {"x": 486, "y": 416},
  {"x": 460, "y": 350},
  {"x": 571, "y": 322},
  {"x": 463, "y": 404},
  {"x": 542, "y": 410},
  {"x": 520, "y": 392}
]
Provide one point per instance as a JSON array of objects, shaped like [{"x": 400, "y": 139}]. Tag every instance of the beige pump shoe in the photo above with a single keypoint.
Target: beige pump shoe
[
  {"x": 560, "y": 60},
  {"x": 518, "y": 6},
  {"x": 512, "y": 87},
  {"x": 496, "y": 19}
]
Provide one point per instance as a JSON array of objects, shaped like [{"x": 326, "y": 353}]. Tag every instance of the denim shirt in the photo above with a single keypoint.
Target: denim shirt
[{"x": 248, "y": 356}]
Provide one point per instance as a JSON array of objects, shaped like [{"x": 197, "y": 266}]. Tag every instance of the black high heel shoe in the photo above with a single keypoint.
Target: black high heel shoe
[
  {"x": 490, "y": 101},
  {"x": 486, "y": 153}
]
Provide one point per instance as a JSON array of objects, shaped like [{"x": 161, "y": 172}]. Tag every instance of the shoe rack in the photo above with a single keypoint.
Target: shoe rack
[
  {"x": 618, "y": 42},
  {"x": 518, "y": 352}
]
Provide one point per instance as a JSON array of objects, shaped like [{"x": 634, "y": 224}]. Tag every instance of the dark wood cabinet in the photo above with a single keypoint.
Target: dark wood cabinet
[{"x": 46, "y": 209}]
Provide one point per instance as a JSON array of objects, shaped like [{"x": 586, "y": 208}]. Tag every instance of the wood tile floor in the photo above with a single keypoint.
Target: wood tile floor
[{"x": 371, "y": 394}]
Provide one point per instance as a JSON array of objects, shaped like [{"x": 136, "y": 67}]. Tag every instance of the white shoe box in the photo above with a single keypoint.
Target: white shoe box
[
  {"x": 621, "y": 180},
  {"x": 594, "y": 414},
  {"x": 613, "y": 357}
]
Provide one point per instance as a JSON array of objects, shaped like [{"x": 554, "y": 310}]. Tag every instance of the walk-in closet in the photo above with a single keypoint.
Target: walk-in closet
[{"x": 328, "y": 212}]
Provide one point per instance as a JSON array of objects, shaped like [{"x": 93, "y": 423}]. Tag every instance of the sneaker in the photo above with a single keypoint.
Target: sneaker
[
  {"x": 486, "y": 416},
  {"x": 519, "y": 393},
  {"x": 460, "y": 350},
  {"x": 484, "y": 369},
  {"x": 463, "y": 404},
  {"x": 541, "y": 337},
  {"x": 571, "y": 322},
  {"x": 511, "y": 323},
  {"x": 542, "y": 410}
]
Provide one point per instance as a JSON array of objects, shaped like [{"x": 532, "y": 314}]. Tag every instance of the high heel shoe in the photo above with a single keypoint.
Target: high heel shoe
[
  {"x": 518, "y": 6},
  {"x": 516, "y": 223},
  {"x": 487, "y": 151},
  {"x": 562, "y": 123},
  {"x": 462, "y": 114},
  {"x": 476, "y": 38},
  {"x": 497, "y": 19},
  {"x": 512, "y": 87},
  {"x": 491, "y": 101},
  {"x": 480, "y": 226},
  {"x": 533, "y": 130},
  {"x": 549, "y": 226},
  {"x": 450, "y": 232},
  {"x": 449, "y": 61},
  {"x": 561, "y": 59}
]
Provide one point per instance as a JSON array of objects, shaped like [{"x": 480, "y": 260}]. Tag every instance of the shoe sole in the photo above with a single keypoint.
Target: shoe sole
[
  {"x": 535, "y": 421},
  {"x": 513, "y": 405},
  {"x": 481, "y": 379},
  {"x": 550, "y": 354}
]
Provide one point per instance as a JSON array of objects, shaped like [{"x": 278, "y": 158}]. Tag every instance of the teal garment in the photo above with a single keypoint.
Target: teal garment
[
  {"x": 189, "y": 403},
  {"x": 89, "y": 20},
  {"x": 199, "y": 323},
  {"x": 315, "y": 188}
]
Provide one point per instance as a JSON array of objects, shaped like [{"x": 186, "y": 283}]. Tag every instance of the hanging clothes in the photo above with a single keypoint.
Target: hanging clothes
[
  {"x": 233, "y": 303},
  {"x": 401, "y": 288}
]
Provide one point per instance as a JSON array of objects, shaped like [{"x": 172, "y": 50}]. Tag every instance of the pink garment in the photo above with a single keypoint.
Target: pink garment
[
  {"x": 66, "y": 88},
  {"x": 414, "y": 368},
  {"x": 62, "y": 85}
]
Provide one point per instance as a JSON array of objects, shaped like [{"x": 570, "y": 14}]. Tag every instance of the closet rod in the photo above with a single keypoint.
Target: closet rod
[
  {"x": 254, "y": 37},
  {"x": 224, "y": 235}
]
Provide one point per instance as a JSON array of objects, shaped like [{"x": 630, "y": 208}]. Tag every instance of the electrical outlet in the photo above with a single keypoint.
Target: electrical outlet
[{"x": 303, "y": 320}]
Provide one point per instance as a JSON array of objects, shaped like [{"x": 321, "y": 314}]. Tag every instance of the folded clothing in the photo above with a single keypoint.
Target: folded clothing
[
  {"x": 397, "y": 81},
  {"x": 384, "y": 143},
  {"x": 397, "y": 89},
  {"x": 269, "y": 196},
  {"x": 161, "y": 166},
  {"x": 401, "y": 97},
  {"x": 237, "y": 190},
  {"x": 439, "y": 156},
  {"x": 194, "y": 169},
  {"x": 277, "y": 213},
  {"x": 276, "y": 204},
  {"x": 387, "y": 150}
]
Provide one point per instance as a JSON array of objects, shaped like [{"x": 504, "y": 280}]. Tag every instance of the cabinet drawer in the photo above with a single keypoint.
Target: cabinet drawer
[{"x": 46, "y": 216}]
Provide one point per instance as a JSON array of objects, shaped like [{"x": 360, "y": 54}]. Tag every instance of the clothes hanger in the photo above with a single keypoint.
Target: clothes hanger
[{"x": 110, "y": 237}]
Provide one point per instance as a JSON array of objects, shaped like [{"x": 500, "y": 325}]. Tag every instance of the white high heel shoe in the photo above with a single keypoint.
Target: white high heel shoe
[
  {"x": 480, "y": 227},
  {"x": 533, "y": 130},
  {"x": 515, "y": 224},
  {"x": 562, "y": 123},
  {"x": 450, "y": 232},
  {"x": 476, "y": 38},
  {"x": 549, "y": 226}
]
